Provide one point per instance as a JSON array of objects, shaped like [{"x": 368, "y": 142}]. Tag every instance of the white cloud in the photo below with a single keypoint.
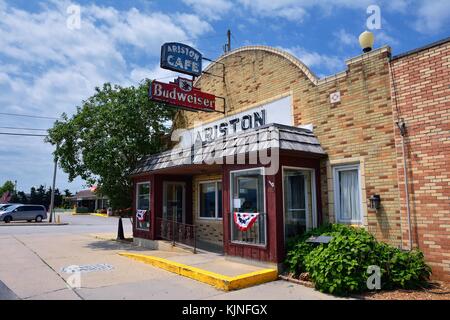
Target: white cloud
[
  {"x": 289, "y": 9},
  {"x": 210, "y": 9},
  {"x": 156, "y": 73},
  {"x": 298, "y": 10},
  {"x": 432, "y": 16},
  {"x": 315, "y": 60},
  {"x": 382, "y": 38},
  {"x": 193, "y": 24},
  {"x": 345, "y": 38},
  {"x": 48, "y": 69}
]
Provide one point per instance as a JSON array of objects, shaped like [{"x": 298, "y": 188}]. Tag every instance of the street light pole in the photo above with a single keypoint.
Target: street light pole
[{"x": 52, "y": 201}]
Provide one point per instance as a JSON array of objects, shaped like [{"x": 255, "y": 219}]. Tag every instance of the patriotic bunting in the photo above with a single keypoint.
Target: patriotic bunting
[
  {"x": 245, "y": 220},
  {"x": 140, "y": 215}
]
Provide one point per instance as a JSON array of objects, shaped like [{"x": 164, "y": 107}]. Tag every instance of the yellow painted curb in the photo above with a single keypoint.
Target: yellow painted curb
[
  {"x": 219, "y": 281},
  {"x": 99, "y": 215}
]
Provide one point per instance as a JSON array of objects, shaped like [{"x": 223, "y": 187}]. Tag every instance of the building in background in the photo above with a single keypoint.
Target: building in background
[{"x": 90, "y": 199}]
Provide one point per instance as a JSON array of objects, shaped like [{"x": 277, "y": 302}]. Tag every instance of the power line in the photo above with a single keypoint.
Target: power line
[
  {"x": 17, "y": 128},
  {"x": 22, "y": 134},
  {"x": 27, "y": 116}
]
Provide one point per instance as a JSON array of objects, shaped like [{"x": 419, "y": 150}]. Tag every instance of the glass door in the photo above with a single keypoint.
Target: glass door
[
  {"x": 174, "y": 201},
  {"x": 297, "y": 202}
]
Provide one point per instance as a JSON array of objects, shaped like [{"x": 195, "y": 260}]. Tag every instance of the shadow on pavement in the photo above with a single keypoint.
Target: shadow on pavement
[{"x": 114, "y": 245}]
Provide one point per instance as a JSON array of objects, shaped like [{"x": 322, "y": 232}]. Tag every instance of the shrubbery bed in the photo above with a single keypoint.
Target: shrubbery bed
[{"x": 340, "y": 267}]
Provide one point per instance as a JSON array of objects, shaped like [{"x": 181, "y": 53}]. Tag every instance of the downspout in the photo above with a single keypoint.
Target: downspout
[{"x": 402, "y": 127}]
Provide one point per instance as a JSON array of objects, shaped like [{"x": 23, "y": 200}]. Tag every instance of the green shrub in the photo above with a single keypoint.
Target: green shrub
[
  {"x": 82, "y": 210},
  {"x": 340, "y": 267},
  {"x": 296, "y": 256},
  {"x": 324, "y": 229},
  {"x": 402, "y": 269},
  {"x": 297, "y": 248}
]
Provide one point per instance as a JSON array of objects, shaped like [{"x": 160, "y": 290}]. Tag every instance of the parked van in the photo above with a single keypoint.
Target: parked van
[
  {"x": 3, "y": 206},
  {"x": 26, "y": 212}
]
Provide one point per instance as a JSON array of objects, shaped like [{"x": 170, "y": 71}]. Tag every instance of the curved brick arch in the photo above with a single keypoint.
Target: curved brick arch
[{"x": 284, "y": 54}]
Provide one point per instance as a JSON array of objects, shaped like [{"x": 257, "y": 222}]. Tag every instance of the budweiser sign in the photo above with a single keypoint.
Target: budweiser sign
[{"x": 181, "y": 93}]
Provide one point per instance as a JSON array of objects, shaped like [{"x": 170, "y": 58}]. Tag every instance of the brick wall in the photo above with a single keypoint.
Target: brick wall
[
  {"x": 421, "y": 93},
  {"x": 359, "y": 128}
]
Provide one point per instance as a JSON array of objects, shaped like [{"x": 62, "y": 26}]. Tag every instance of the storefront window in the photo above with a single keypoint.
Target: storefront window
[
  {"x": 347, "y": 194},
  {"x": 143, "y": 206},
  {"x": 210, "y": 194},
  {"x": 248, "y": 216}
]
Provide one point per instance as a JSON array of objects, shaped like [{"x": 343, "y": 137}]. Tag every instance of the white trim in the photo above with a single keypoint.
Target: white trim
[
  {"x": 149, "y": 204},
  {"x": 231, "y": 183},
  {"x": 216, "y": 218},
  {"x": 347, "y": 167},
  {"x": 313, "y": 197}
]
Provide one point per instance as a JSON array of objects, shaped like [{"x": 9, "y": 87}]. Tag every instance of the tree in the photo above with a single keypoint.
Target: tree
[
  {"x": 66, "y": 203},
  {"x": 102, "y": 142},
  {"x": 33, "y": 196},
  {"x": 67, "y": 193},
  {"x": 8, "y": 186},
  {"x": 22, "y": 197}
]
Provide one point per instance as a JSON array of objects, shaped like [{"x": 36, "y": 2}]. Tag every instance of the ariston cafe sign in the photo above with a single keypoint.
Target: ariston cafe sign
[{"x": 181, "y": 93}]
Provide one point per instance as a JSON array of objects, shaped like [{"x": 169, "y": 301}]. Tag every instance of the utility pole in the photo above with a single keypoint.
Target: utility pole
[
  {"x": 227, "y": 46},
  {"x": 52, "y": 200}
]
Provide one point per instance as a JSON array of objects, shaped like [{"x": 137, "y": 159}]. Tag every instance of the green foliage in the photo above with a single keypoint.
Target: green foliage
[
  {"x": 402, "y": 269},
  {"x": 102, "y": 142},
  {"x": 8, "y": 186},
  {"x": 298, "y": 249},
  {"x": 81, "y": 210},
  {"x": 296, "y": 256},
  {"x": 38, "y": 195},
  {"x": 340, "y": 267}
]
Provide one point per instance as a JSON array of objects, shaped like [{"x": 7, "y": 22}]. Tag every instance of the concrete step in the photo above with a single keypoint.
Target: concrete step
[{"x": 211, "y": 269}]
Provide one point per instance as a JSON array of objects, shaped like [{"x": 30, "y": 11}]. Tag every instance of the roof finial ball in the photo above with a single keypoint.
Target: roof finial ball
[{"x": 366, "y": 40}]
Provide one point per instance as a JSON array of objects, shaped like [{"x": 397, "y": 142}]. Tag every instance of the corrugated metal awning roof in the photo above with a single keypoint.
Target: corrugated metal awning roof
[{"x": 270, "y": 136}]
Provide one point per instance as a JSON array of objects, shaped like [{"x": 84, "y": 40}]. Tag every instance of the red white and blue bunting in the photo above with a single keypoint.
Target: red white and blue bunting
[
  {"x": 140, "y": 215},
  {"x": 245, "y": 220}
]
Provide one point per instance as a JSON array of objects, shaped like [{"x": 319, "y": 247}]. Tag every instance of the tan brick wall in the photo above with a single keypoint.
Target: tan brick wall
[
  {"x": 209, "y": 230},
  {"x": 359, "y": 128},
  {"x": 422, "y": 96}
]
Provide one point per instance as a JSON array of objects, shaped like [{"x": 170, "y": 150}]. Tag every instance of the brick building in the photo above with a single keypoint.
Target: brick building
[
  {"x": 421, "y": 97},
  {"x": 330, "y": 144}
]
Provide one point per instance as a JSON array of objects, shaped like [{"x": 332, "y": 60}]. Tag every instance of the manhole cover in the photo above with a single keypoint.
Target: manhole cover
[{"x": 87, "y": 268}]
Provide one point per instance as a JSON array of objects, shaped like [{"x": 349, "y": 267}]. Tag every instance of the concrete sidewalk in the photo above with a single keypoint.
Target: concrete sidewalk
[{"x": 34, "y": 270}]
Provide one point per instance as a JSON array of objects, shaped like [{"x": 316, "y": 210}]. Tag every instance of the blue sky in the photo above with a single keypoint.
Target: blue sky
[{"x": 47, "y": 68}]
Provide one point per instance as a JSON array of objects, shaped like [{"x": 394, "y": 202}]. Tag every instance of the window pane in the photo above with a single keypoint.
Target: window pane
[
  {"x": 297, "y": 202},
  {"x": 349, "y": 203},
  {"x": 143, "y": 203},
  {"x": 208, "y": 200},
  {"x": 248, "y": 197},
  {"x": 219, "y": 199}
]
